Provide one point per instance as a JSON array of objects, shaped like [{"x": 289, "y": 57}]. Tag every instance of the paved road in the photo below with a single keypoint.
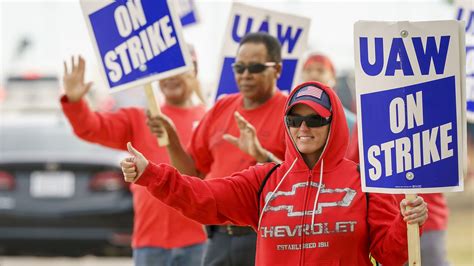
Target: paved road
[{"x": 81, "y": 261}]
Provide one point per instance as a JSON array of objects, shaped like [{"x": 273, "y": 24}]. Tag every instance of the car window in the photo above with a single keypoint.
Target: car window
[{"x": 35, "y": 93}]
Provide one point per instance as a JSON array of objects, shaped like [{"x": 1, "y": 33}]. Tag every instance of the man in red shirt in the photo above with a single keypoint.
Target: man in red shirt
[
  {"x": 215, "y": 150},
  {"x": 161, "y": 235}
]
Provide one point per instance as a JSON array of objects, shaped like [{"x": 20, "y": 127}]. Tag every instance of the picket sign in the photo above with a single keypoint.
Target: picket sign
[
  {"x": 412, "y": 74},
  {"x": 290, "y": 30},
  {"x": 137, "y": 42},
  {"x": 187, "y": 12}
]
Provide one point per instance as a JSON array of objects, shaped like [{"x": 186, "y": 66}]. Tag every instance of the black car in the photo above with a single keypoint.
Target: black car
[{"x": 57, "y": 192}]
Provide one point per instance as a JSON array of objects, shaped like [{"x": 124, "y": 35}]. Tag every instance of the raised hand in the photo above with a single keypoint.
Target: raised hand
[
  {"x": 73, "y": 79},
  {"x": 133, "y": 166},
  {"x": 414, "y": 211},
  {"x": 248, "y": 140}
]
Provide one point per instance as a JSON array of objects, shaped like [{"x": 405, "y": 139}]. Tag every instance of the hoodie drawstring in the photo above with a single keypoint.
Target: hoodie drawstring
[
  {"x": 273, "y": 192},
  {"x": 317, "y": 193}
]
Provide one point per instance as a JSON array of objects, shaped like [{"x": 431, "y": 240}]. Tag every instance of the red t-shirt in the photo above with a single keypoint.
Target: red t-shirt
[
  {"x": 216, "y": 157},
  {"x": 155, "y": 224},
  {"x": 437, "y": 207}
]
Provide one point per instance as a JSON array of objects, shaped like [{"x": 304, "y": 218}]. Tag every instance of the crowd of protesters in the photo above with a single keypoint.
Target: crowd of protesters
[{"x": 263, "y": 179}]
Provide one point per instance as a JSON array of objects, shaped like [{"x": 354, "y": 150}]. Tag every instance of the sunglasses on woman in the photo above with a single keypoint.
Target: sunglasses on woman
[
  {"x": 310, "y": 120},
  {"x": 253, "y": 68}
]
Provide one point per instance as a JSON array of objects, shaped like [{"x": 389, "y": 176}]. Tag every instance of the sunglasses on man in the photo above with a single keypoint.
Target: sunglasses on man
[
  {"x": 310, "y": 120},
  {"x": 253, "y": 68}
]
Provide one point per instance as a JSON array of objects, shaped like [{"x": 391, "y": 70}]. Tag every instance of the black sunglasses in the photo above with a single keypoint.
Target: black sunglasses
[
  {"x": 252, "y": 68},
  {"x": 310, "y": 120}
]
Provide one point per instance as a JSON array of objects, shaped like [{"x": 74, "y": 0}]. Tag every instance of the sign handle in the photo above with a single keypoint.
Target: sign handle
[
  {"x": 413, "y": 236},
  {"x": 155, "y": 110}
]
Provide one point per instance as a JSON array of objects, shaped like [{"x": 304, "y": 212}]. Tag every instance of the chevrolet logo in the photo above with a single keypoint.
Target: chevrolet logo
[{"x": 349, "y": 195}]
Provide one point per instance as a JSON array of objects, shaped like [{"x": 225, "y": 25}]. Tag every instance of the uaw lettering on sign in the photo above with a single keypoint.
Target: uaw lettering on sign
[
  {"x": 398, "y": 54},
  {"x": 411, "y": 75},
  {"x": 466, "y": 14},
  {"x": 288, "y": 35},
  {"x": 137, "y": 41},
  {"x": 290, "y": 30}
]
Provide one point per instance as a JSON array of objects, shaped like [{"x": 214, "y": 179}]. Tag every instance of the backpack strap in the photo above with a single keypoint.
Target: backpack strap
[
  {"x": 372, "y": 259},
  {"x": 262, "y": 185}
]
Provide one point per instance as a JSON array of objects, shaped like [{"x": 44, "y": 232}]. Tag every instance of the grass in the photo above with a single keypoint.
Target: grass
[{"x": 461, "y": 226}]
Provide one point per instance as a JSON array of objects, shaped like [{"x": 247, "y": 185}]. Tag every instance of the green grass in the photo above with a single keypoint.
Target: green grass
[{"x": 461, "y": 226}]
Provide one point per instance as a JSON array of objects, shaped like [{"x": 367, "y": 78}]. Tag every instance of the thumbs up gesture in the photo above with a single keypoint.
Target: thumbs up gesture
[{"x": 133, "y": 166}]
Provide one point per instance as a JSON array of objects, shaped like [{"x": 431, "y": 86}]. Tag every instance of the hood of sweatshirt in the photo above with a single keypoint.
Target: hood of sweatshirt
[{"x": 337, "y": 141}]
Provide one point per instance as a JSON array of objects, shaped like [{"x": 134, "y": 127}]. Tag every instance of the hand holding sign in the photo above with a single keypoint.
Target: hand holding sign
[
  {"x": 133, "y": 167},
  {"x": 73, "y": 80},
  {"x": 161, "y": 125},
  {"x": 414, "y": 211}
]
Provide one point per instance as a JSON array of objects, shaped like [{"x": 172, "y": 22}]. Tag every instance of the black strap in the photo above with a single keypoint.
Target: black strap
[
  {"x": 372, "y": 259},
  {"x": 263, "y": 184}
]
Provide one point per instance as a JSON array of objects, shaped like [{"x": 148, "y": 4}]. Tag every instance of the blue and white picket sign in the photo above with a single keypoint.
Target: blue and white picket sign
[
  {"x": 465, "y": 12},
  {"x": 187, "y": 12},
  {"x": 137, "y": 41},
  {"x": 292, "y": 32},
  {"x": 409, "y": 84}
]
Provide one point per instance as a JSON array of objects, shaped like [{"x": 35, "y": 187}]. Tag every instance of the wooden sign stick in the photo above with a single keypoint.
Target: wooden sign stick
[
  {"x": 155, "y": 111},
  {"x": 413, "y": 236}
]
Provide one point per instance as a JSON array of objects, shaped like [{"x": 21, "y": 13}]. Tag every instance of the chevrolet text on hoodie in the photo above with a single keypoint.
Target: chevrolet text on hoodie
[{"x": 315, "y": 216}]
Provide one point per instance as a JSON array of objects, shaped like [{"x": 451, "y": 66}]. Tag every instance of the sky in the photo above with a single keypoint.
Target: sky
[{"x": 56, "y": 30}]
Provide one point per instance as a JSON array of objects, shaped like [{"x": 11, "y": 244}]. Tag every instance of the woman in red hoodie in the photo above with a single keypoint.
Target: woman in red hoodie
[{"x": 310, "y": 210}]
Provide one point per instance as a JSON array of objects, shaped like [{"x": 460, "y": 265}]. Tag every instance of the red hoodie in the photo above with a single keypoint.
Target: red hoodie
[{"x": 344, "y": 232}]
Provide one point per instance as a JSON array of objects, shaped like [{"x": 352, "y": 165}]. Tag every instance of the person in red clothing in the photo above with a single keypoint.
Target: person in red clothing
[
  {"x": 318, "y": 67},
  {"x": 310, "y": 210},
  {"x": 161, "y": 235},
  {"x": 433, "y": 240},
  {"x": 220, "y": 146}
]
